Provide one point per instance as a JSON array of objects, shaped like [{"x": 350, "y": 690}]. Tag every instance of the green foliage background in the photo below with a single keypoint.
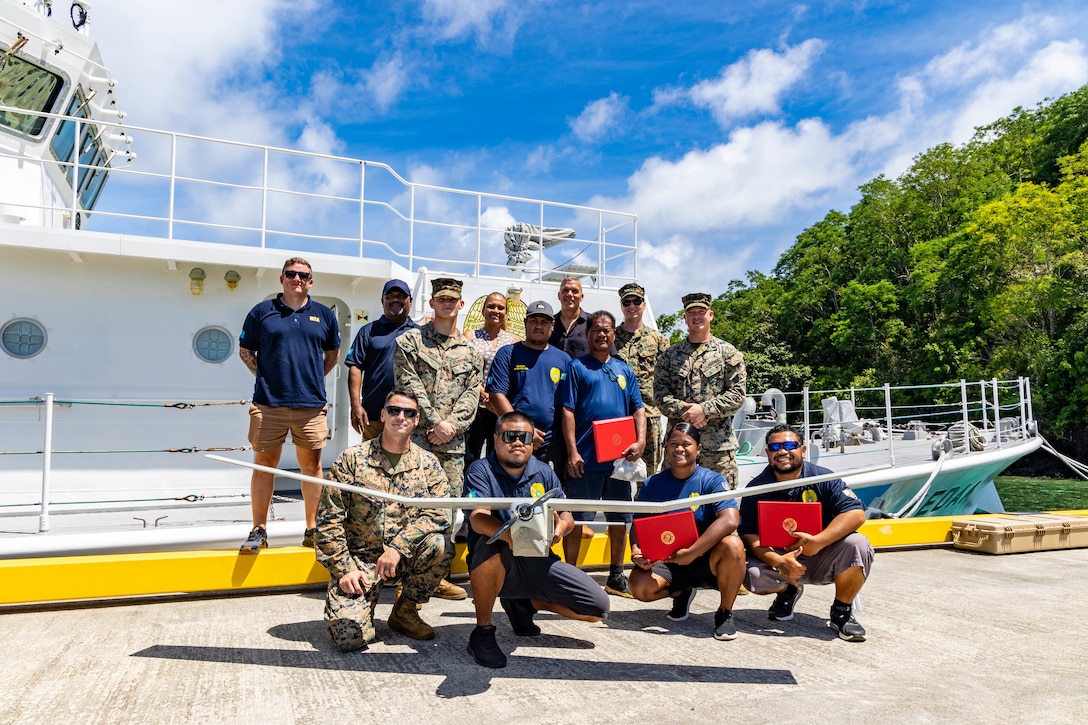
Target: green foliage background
[{"x": 970, "y": 265}]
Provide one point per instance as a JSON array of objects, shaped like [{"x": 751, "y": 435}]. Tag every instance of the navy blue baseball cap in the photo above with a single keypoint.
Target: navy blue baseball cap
[{"x": 396, "y": 284}]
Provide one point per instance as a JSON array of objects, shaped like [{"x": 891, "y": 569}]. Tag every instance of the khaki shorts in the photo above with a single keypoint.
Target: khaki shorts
[{"x": 268, "y": 427}]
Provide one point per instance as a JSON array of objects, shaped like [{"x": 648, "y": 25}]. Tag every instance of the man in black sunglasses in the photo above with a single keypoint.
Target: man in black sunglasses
[
  {"x": 639, "y": 346},
  {"x": 523, "y": 585},
  {"x": 837, "y": 554},
  {"x": 366, "y": 543},
  {"x": 290, "y": 344}
]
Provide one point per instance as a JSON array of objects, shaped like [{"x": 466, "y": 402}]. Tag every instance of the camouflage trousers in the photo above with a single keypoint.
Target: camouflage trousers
[
  {"x": 724, "y": 462},
  {"x": 453, "y": 464},
  {"x": 655, "y": 448},
  {"x": 350, "y": 619}
]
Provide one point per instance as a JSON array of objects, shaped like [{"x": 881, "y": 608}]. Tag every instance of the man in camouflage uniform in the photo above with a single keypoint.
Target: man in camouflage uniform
[
  {"x": 445, "y": 373},
  {"x": 701, "y": 380},
  {"x": 639, "y": 346},
  {"x": 365, "y": 542}
]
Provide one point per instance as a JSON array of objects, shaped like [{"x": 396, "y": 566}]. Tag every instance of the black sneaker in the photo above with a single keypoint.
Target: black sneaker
[
  {"x": 258, "y": 539},
  {"x": 520, "y": 612},
  {"x": 484, "y": 649},
  {"x": 844, "y": 624},
  {"x": 782, "y": 609},
  {"x": 724, "y": 626},
  {"x": 617, "y": 584},
  {"x": 308, "y": 538},
  {"x": 681, "y": 604}
]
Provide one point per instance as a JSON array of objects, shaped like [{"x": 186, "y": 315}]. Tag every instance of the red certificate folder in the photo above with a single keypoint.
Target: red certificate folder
[
  {"x": 611, "y": 437},
  {"x": 778, "y": 519},
  {"x": 661, "y": 536}
]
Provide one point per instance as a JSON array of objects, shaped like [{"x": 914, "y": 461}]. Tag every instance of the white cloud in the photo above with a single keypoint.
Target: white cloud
[
  {"x": 386, "y": 80},
  {"x": 754, "y": 84},
  {"x": 759, "y": 174},
  {"x": 490, "y": 21},
  {"x": 599, "y": 117},
  {"x": 1056, "y": 69},
  {"x": 968, "y": 61}
]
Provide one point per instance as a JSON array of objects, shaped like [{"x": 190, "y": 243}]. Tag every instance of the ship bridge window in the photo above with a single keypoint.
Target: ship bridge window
[
  {"x": 213, "y": 344},
  {"x": 25, "y": 85},
  {"x": 93, "y": 156},
  {"x": 22, "y": 338}
]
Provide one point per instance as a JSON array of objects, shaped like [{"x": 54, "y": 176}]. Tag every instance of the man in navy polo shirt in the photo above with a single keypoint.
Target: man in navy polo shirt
[
  {"x": 523, "y": 584},
  {"x": 525, "y": 377},
  {"x": 370, "y": 359},
  {"x": 599, "y": 387},
  {"x": 837, "y": 555},
  {"x": 290, "y": 343}
]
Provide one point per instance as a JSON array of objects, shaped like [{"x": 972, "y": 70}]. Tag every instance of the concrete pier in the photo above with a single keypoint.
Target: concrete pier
[{"x": 953, "y": 637}]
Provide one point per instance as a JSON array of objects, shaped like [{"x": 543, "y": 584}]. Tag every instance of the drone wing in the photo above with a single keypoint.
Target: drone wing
[{"x": 557, "y": 504}]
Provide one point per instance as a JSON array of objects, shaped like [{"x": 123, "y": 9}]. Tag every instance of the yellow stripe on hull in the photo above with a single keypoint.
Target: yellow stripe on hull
[{"x": 61, "y": 579}]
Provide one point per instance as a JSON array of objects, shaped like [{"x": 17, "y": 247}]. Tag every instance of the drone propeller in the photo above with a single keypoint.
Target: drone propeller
[{"x": 523, "y": 512}]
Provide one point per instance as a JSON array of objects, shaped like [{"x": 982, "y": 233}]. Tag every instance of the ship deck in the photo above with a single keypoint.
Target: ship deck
[{"x": 985, "y": 640}]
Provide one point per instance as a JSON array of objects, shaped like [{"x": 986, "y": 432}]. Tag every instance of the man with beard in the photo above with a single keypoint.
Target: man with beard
[
  {"x": 370, "y": 359},
  {"x": 836, "y": 555},
  {"x": 523, "y": 584},
  {"x": 525, "y": 377}
]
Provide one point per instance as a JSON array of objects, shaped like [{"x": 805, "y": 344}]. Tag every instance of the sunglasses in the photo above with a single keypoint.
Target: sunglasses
[
  {"x": 788, "y": 445},
  {"x": 632, "y": 302},
  {"x": 394, "y": 410},
  {"x": 291, "y": 274},
  {"x": 509, "y": 436}
]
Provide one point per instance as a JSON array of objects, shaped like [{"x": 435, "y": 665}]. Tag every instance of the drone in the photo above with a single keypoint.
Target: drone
[{"x": 530, "y": 524}]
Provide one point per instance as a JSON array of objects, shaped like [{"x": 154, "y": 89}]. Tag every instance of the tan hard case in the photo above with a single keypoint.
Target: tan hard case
[{"x": 1017, "y": 533}]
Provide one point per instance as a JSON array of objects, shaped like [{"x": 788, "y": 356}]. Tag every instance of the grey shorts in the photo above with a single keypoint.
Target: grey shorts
[
  {"x": 854, "y": 550},
  {"x": 549, "y": 578}
]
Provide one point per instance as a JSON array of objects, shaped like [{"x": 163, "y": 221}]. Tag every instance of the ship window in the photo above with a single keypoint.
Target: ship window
[
  {"x": 213, "y": 344},
  {"x": 25, "y": 85},
  {"x": 94, "y": 160},
  {"x": 23, "y": 338}
]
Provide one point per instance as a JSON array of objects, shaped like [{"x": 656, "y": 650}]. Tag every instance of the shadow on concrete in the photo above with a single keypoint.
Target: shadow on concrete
[{"x": 446, "y": 657}]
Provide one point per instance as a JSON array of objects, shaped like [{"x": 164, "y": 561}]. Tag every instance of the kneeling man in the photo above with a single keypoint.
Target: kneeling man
[
  {"x": 838, "y": 554},
  {"x": 366, "y": 543},
  {"x": 524, "y": 584},
  {"x": 715, "y": 560}
]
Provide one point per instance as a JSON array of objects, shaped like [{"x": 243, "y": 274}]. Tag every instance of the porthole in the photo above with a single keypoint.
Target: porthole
[
  {"x": 23, "y": 338},
  {"x": 213, "y": 344}
]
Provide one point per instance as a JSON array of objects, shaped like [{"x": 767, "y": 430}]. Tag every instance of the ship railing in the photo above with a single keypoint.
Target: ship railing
[
  {"x": 196, "y": 188},
  {"x": 997, "y": 411},
  {"x": 47, "y": 405}
]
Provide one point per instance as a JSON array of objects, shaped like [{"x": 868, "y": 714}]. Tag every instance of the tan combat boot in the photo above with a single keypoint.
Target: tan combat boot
[{"x": 405, "y": 619}]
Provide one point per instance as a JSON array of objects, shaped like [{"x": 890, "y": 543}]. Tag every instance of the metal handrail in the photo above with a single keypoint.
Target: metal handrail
[{"x": 338, "y": 218}]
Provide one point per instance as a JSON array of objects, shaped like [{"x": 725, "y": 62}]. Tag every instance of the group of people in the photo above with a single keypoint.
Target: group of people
[{"x": 490, "y": 415}]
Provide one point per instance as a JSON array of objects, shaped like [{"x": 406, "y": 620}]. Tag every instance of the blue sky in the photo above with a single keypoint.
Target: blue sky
[{"x": 727, "y": 127}]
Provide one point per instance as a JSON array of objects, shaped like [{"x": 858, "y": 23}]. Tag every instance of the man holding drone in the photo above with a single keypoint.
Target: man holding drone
[{"x": 523, "y": 584}]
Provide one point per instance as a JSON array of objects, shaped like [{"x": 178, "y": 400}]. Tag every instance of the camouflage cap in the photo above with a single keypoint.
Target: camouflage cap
[
  {"x": 446, "y": 287},
  {"x": 696, "y": 299},
  {"x": 632, "y": 288}
]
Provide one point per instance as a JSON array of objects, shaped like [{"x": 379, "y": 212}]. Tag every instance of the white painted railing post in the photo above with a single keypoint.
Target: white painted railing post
[
  {"x": 47, "y": 462},
  {"x": 888, "y": 415},
  {"x": 808, "y": 423},
  {"x": 966, "y": 417},
  {"x": 1023, "y": 408},
  {"x": 997, "y": 416}
]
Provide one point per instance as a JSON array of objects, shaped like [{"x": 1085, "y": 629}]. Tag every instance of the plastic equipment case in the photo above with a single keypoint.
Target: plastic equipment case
[{"x": 1018, "y": 533}]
